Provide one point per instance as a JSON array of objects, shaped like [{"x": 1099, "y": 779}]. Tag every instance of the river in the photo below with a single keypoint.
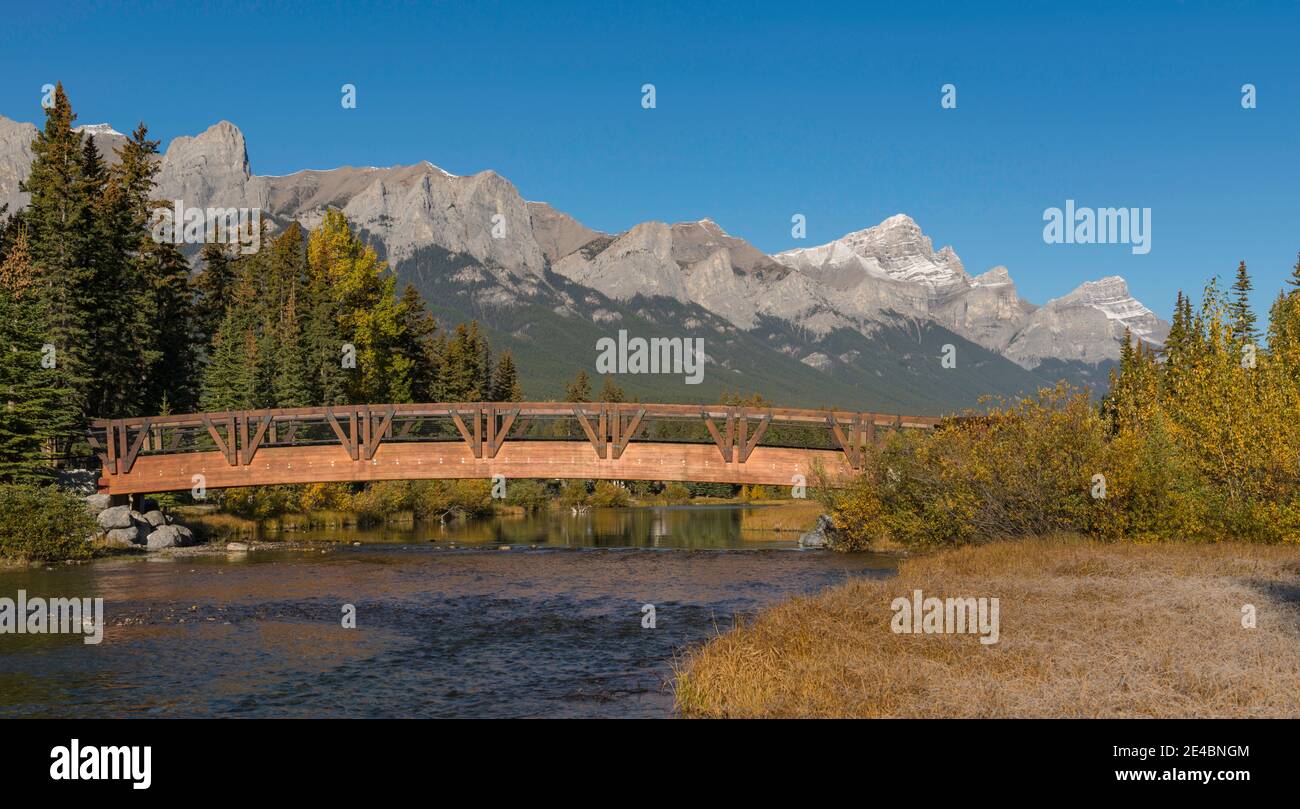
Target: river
[{"x": 552, "y": 627}]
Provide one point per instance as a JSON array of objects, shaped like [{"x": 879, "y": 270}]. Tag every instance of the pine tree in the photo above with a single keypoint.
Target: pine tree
[
  {"x": 421, "y": 345},
  {"x": 609, "y": 392},
  {"x": 1243, "y": 319},
  {"x": 60, "y": 235},
  {"x": 34, "y": 410},
  {"x": 579, "y": 390},
  {"x": 291, "y": 384},
  {"x": 231, "y": 379},
  {"x": 212, "y": 289},
  {"x": 173, "y": 375},
  {"x": 461, "y": 372},
  {"x": 505, "y": 381}
]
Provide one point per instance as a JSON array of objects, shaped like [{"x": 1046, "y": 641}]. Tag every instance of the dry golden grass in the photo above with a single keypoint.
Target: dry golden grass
[{"x": 1087, "y": 630}]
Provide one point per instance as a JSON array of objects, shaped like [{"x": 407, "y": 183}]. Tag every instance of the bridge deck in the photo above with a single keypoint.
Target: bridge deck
[{"x": 631, "y": 441}]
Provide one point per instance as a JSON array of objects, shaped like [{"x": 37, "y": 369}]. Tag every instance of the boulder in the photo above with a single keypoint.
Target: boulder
[
  {"x": 123, "y": 537},
  {"x": 155, "y": 518},
  {"x": 115, "y": 517},
  {"x": 237, "y": 546},
  {"x": 96, "y": 503},
  {"x": 821, "y": 534},
  {"x": 167, "y": 536},
  {"x": 185, "y": 534}
]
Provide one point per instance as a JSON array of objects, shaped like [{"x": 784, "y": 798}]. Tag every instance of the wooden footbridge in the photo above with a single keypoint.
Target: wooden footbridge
[{"x": 626, "y": 441}]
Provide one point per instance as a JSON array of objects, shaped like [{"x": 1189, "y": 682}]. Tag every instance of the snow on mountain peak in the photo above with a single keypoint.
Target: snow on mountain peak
[
  {"x": 896, "y": 249},
  {"x": 97, "y": 130}
]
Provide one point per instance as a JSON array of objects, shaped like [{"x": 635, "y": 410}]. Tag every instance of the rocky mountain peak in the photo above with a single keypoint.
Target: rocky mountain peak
[{"x": 996, "y": 277}]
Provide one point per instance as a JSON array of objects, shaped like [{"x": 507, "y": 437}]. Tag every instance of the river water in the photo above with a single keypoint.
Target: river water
[{"x": 551, "y": 627}]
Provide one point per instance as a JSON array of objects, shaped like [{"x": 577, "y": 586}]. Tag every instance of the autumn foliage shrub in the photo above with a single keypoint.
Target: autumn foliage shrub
[{"x": 1200, "y": 442}]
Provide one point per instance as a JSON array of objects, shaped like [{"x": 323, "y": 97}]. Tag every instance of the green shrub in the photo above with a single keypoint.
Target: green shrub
[
  {"x": 43, "y": 524},
  {"x": 609, "y": 495},
  {"x": 381, "y": 500},
  {"x": 258, "y": 502},
  {"x": 573, "y": 493},
  {"x": 529, "y": 494},
  {"x": 434, "y": 500},
  {"x": 676, "y": 494}
]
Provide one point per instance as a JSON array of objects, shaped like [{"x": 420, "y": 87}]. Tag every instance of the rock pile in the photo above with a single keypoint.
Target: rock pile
[{"x": 124, "y": 527}]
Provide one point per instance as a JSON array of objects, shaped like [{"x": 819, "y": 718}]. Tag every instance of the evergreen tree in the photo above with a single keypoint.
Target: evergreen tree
[
  {"x": 461, "y": 373},
  {"x": 609, "y": 392},
  {"x": 60, "y": 236},
  {"x": 230, "y": 381},
  {"x": 34, "y": 409},
  {"x": 579, "y": 390},
  {"x": 505, "y": 381},
  {"x": 173, "y": 375},
  {"x": 212, "y": 289},
  {"x": 291, "y": 385},
  {"x": 1243, "y": 319},
  {"x": 422, "y": 346}
]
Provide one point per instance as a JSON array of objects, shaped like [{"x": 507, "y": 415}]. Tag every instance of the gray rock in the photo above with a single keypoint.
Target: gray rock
[
  {"x": 167, "y": 536},
  {"x": 115, "y": 517},
  {"x": 123, "y": 537},
  {"x": 237, "y": 546},
  {"x": 155, "y": 518},
  {"x": 185, "y": 534},
  {"x": 820, "y": 536},
  {"x": 96, "y": 503}
]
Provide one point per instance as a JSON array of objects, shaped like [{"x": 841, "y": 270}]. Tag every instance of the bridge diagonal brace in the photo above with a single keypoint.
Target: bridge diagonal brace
[
  {"x": 377, "y": 434},
  {"x": 851, "y": 444},
  {"x": 597, "y": 440},
  {"x": 224, "y": 446},
  {"x": 132, "y": 447},
  {"x": 349, "y": 439},
  {"x": 497, "y": 435},
  {"x": 475, "y": 439},
  {"x": 251, "y": 445},
  {"x": 724, "y": 442},
  {"x": 627, "y": 430},
  {"x": 747, "y": 444}
]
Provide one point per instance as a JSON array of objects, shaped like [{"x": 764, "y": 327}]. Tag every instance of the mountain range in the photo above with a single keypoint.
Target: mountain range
[{"x": 861, "y": 322}]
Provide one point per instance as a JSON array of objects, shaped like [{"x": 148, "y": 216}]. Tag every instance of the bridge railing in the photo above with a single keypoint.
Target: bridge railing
[{"x": 485, "y": 426}]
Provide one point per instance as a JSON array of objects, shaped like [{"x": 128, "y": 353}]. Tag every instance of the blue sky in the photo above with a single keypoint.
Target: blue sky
[{"x": 763, "y": 110}]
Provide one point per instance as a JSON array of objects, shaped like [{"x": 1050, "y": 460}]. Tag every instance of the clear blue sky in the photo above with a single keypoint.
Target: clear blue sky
[{"x": 764, "y": 110}]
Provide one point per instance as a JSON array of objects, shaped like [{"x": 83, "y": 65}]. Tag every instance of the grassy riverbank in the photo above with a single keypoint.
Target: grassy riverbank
[{"x": 1087, "y": 630}]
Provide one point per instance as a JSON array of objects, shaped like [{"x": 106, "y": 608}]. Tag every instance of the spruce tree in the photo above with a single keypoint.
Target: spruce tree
[
  {"x": 610, "y": 392},
  {"x": 35, "y": 411},
  {"x": 61, "y": 232},
  {"x": 505, "y": 381},
  {"x": 212, "y": 288},
  {"x": 1243, "y": 319},
  {"x": 421, "y": 345},
  {"x": 579, "y": 390}
]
